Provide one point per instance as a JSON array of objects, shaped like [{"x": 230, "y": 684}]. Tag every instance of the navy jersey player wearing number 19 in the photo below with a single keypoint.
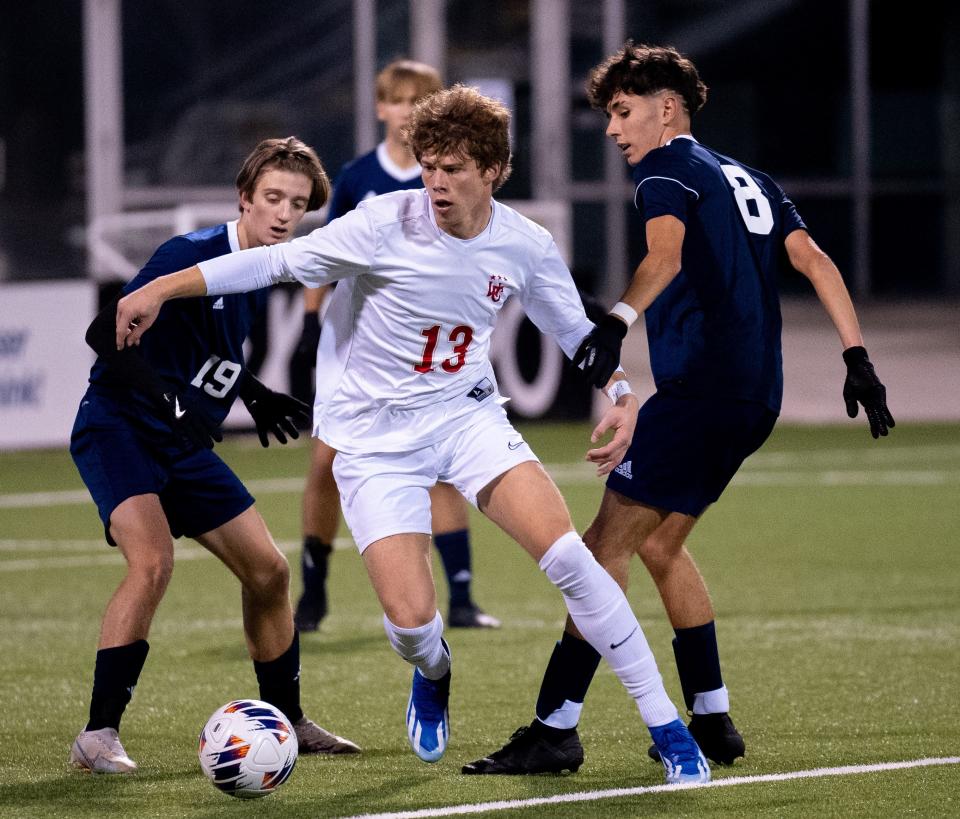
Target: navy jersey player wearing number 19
[
  {"x": 716, "y": 235},
  {"x": 142, "y": 442}
]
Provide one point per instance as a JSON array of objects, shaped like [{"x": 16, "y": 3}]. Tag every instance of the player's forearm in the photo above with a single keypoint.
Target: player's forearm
[
  {"x": 137, "y": 311},
  {"x": 180, "y": 285},
  {"x": 650, "y": 279},
  {"x": 835, "y": 298},
  {"x": 819, "y": 268},
  {"x": 659, "y": 267},
  {"x": 241, "y": 272},
  {"x": 836, "y": 301}
]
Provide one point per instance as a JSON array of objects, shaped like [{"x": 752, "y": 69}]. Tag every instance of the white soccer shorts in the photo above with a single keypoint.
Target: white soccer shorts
[{"x": 387, "y": 493}]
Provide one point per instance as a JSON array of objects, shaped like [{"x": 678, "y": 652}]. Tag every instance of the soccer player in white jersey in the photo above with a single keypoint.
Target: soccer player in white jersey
[
  {"x": 409, "y": 397},
  {"x": 391, "y": 166}
]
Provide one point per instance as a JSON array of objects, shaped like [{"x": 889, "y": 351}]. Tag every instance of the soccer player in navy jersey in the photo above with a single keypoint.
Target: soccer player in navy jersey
[
  {"x": 143, "y": 442},
  {"x": 391, "y": 166},
  {"x": 716, "y": 234}
]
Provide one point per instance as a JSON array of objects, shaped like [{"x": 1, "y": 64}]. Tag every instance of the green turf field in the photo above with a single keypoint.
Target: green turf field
[{"x": 833, "y": 563}]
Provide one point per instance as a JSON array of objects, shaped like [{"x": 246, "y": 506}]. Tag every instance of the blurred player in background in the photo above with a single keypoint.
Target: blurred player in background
[
  {"x": 143, "y": 442},
  {"x": 409, "y": 397},
  {"x": 390, "y": 167},
  {"x": 717, "y": 234}
]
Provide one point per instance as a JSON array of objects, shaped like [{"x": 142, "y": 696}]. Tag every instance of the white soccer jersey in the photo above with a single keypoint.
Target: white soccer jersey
[{"x": 408, "y": 334}]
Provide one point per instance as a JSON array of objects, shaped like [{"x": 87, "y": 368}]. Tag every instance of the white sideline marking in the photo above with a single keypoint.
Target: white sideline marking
[
  {"x": 880, "y": 453},
  {"x": 27, "y": 500},
  {"x": 584, "y": 473},
  {"x": 97, "y": 553},
  {"x": 619, "y": 793}
]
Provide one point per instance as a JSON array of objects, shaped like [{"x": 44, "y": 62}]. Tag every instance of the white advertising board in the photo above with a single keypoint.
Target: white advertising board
[{"x": 44, "y": 361}]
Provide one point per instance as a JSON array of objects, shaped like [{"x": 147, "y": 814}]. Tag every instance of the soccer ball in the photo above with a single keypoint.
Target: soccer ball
[{"x": 247, "y": 748}]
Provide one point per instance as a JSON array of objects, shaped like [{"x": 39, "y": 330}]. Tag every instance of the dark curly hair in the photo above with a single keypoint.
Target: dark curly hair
[
  {"x": 461, "y": 121},
  {"x": 645, "y": 69}
]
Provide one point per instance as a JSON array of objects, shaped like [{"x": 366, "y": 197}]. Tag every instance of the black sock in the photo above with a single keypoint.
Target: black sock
[
  {"x": 280, "y": 680},
  {"x": 698, "y": 660},
  {"x": 114, "y": 677},
  {"x": 315, "y": 561},
  {"x": 568, "y": 675},
  {"x": 454, "y": 548}
]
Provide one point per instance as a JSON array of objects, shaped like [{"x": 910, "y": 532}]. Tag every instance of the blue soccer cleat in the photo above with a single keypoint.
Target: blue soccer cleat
[
  {"x": 428, "y": 720},
  {"x": 682, "y": 758}
]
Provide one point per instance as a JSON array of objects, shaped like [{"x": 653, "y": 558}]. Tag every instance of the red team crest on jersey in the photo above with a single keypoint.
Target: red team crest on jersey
[{"x": 495, "y": 286}]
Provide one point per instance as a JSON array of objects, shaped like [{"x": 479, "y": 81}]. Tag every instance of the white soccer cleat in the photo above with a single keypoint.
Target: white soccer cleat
[
  {"x": 101, "y": 752},
  {"x": 312, "y": 739}
]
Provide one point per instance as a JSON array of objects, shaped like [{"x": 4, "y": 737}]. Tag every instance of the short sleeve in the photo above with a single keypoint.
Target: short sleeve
[
  {"x": 789, "y": 217},
  {"x": 664, "y": 188},
  {"x": 175, "y": 254}
]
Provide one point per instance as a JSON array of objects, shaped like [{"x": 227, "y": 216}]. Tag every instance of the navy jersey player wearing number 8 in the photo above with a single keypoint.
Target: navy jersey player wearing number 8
[
  {"x": 142, "y": 442},
  {"x": 716, "y": 233}
]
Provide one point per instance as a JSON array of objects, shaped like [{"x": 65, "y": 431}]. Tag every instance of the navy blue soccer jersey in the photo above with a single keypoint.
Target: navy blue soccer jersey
[
  {"x": 715, "y": 329},
  {"x": 369, "y": 175},
  {"x": 196, "y": 344}
]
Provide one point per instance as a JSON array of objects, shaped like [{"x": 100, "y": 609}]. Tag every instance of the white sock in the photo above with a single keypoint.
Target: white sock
[
  {"x": 712, "y": 702},
  {"x": 602, "y": 614},
  {"x": 566, "y": 716},
  {"x": 420, "y": 646}
]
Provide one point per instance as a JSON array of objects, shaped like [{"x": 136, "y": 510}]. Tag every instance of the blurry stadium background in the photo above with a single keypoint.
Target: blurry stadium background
[
  {"x": 124, "y": 123},
  {"x": 832, "y": 558}
]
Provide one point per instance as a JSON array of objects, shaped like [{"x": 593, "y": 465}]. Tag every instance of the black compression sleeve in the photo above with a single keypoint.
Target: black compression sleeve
[{"x": 126, "y": 367}]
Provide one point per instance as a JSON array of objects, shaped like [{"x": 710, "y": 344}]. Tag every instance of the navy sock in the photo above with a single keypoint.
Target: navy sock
[
  {"x": 280, "y": 680},
  {"x": 314, "y": 561},
  {"x": 454, "y": 548},
  {"x": 568, "y": 675},
  {"x": 698, "y": 660},
  {"x": 114, "y": 677}
]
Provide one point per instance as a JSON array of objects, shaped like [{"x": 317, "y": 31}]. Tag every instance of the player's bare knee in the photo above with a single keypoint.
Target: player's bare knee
[
  {"x": 269, "y": 579},
  {"x": 410, "y": 615},
  {"x": 592, "y": 537},
  {"x": 658, "y": 551},
  {"x": 608, "y": 549},
  {"x": 152, "y": 572}
]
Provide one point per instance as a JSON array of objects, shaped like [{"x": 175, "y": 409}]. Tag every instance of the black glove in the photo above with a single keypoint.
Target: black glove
[
  {"x": 863, "y": 386},
  {"x": 599, "y": 352},
  {"x": 271, "y": 411},
  {"x": 187, "y": 419},
  {"x": 306, "y": 349}
]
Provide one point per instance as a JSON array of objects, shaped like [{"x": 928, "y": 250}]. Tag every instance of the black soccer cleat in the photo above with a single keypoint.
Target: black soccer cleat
[
  {"x": 314, "y": 565},
  {"x": 471, "y": 616},
  {"x": 717, "y": 737},
  {"x": 311, "y": 609},
  {"x": 533, "y": 749}
]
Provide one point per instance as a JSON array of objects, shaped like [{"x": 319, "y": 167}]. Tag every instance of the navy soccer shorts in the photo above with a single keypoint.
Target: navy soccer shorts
[
  {"x": 687, "y": 449},
  {"x": 117, "y": 460}
]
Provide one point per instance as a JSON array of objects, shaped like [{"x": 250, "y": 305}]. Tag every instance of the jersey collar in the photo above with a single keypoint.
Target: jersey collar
[
  {"x": 232, "y": 237},
  {"x": 453, "y": 241},
  {"x": 393, "y": 169}
]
